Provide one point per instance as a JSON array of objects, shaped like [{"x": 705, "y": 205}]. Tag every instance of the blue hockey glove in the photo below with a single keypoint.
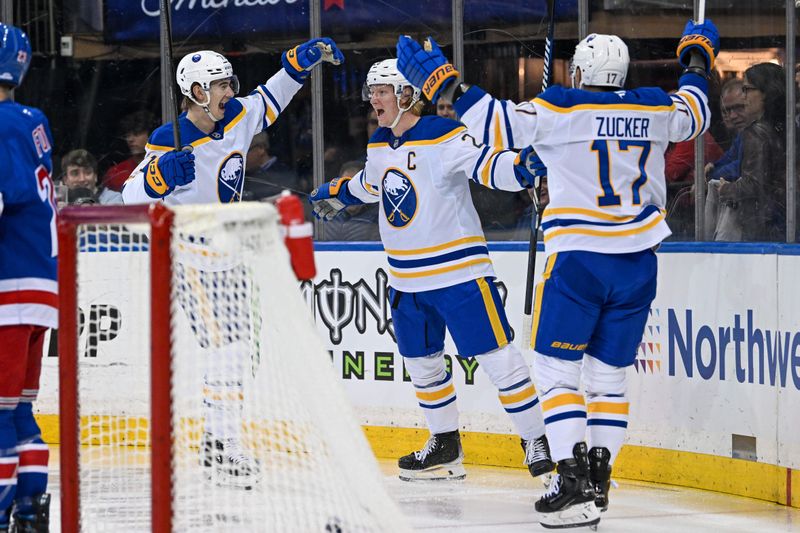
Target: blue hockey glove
[
  {"x": 330, "y": 198},
  {"x": 701, "y": 38},
  {"x": 165, "y": 173},
  {"x": 529, "y": 169},
  {"x": 299, "y": 61},
  {"x": 426, "y": 68}
]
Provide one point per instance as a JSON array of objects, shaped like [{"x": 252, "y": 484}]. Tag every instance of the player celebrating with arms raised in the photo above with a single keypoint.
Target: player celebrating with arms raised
[
  {"x": 218, "y": 127},
  {"x": 604, "y": 149},
  {"x": 440, "y": 272},
  {"x": 28, "y": 289},
  {"x": 219, "y": 295}
]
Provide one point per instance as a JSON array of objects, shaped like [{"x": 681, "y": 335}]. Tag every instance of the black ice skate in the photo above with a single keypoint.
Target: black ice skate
[
  {"x": 537, "y": 457},
  {"x": 600, "y": 475},
  {"x": 440, "y": 459},
  {"x": 569, "y": 501},
  {"x": 228, "y": 463},
  {"x": 37, "y": 521}
]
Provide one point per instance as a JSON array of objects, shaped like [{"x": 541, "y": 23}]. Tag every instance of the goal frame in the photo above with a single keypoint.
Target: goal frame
[{"x": 160, "y": 219}]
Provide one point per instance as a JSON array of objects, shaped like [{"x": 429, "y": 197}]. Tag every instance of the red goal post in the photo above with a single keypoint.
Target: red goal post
[
  {"x": 160, "y": 219},
  {"x": 213, "y": 406}
]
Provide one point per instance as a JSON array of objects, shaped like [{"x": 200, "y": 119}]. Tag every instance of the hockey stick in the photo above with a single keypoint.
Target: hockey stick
[
  {"x": 169, "y": 75},
  {"x": 536, "y": 220},
  {"x": 701, "y": 11}
]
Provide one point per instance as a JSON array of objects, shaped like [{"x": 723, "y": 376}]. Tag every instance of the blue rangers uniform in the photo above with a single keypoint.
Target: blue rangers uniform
[
  {"x": 28, "y": 290},
  {"x": 28, "y": 241}
]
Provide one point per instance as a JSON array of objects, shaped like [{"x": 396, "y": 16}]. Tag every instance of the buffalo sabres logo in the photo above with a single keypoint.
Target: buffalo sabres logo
[
  {"x": 399, "y": 198},
  {"x": 230, "y": 180}
]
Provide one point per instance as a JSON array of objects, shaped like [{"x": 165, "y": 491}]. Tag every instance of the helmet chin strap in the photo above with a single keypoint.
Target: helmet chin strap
[
  {"x": 401, "y": 110},
  {"x": 205, "y": 106}
]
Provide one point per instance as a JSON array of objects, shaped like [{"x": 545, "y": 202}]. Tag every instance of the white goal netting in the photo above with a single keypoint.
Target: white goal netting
[{"x": 264, "y": 438}]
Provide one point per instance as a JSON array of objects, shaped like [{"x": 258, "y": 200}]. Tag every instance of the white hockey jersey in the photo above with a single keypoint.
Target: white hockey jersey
[
  {"x": 219, "y": 156},
  {"x": 428, "y": 224},
  {"x": 604, "y": 153}
]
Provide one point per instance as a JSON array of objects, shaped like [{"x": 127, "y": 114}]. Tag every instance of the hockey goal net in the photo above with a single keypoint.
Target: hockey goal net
[{"x": 194, "y": 392}]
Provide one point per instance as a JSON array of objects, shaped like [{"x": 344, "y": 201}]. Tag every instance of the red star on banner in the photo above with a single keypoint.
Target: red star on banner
[{"x": 333, "y": 3}]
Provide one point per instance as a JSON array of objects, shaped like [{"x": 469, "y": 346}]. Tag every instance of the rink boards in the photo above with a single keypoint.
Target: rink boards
[{"x": 713, "y": 392}]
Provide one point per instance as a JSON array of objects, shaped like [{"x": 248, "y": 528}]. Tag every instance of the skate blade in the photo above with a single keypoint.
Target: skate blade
[
  {"x": 447, "y": 472},
  {"x": 578, "y": 515}
]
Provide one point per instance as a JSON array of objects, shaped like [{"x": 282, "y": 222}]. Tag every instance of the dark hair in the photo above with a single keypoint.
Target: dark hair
[
  {"x": 260, "y": 139},
  {"x": 141, "y": 121},
  {"x": 770, "y": 79},
  {"x": 79, "y": 158},
  {"x": 733, "y": 84},
  {"x": 351, "y": 168}
]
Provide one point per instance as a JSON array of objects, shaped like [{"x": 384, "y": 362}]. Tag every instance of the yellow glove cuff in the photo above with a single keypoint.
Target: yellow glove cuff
[
  {"x": 697, "y": 40},
  {"x": 437, "y": 78},
  {"x": 337, "y": 184},
  {"x": 154, "y": 178},
  {"x": 291, "y": 57}
]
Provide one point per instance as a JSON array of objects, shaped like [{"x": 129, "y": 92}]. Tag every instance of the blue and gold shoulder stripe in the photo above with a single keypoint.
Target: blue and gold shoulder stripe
[
  {"x": 428, "y": 130},
  {"x": 563, "y": 100},
  {"x": 162, "y": 139}
]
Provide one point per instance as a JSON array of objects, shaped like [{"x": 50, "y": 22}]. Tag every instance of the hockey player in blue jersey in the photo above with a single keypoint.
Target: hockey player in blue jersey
[
  {"x": 28, "y": 291},
  {"x": 602, "y": 149},
  {"x": 418, "y": 170}
]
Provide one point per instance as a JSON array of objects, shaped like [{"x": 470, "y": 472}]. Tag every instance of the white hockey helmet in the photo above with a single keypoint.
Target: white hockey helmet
[
  {"x": 386, "y": 73},
  {"x": 603, "y": 60},
  {"x": 202, "y": 68}
]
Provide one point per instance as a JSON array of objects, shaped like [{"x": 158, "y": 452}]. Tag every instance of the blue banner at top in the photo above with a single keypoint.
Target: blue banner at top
[{"x": 138, "y": 20}]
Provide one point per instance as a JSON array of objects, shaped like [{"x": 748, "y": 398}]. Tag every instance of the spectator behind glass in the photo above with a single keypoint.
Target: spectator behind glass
[
  {"x": 736, "y": 118},
  {"x": 679, "y": 173},
  {"x": 79, "y": 178},
  {"x": 759, "y": 193},
  {"x": 444, "y": 108},
  {"x": 355, "y": 222},
  {"x": 265, "y": 175},
  {"x": 135, "y": 128}
]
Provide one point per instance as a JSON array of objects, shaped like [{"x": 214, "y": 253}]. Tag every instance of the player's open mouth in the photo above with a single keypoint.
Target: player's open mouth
[{"x": 379, "y": 112}]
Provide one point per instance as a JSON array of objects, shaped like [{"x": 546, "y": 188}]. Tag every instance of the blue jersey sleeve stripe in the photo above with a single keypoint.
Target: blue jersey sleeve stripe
[
  {"x": 264, "y": 121},
  {"x": 509, "y": 134},
  {"x": 491, "y": 174},
  {"x": 439, "y": 259},
  {"x": 488, "y": 123},
  {"x": 681, "y": 102},
  {"x": 475, "y": 177},
  {"x": 698, "y": 97},
  {"x": 272, "y": 99}
]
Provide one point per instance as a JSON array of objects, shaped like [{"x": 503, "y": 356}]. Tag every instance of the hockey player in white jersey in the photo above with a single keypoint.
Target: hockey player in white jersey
[
  {"x": 602, "y": 149},
  {"x": 219, "y": 127},
  {"x": 441, "y": 276}
]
